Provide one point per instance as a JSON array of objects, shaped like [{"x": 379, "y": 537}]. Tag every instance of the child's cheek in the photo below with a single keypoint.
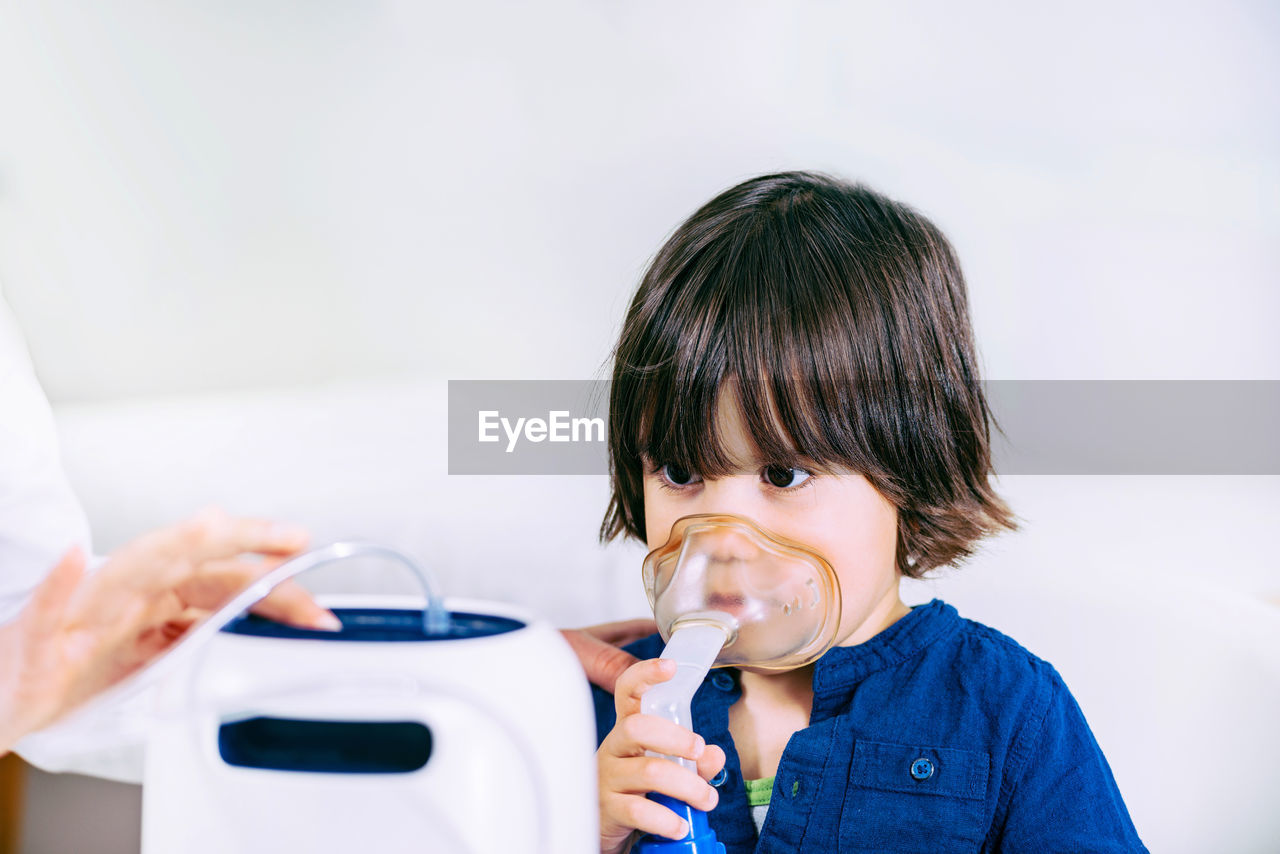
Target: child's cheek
[
  {"x": 657, "y": 516},
  {"x": 858, "y": 535}
]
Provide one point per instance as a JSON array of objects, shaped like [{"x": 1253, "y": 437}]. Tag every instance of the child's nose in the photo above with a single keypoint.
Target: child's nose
[
  {"x": 726, "y": 545},
  {"x": 738, "y": 495}
]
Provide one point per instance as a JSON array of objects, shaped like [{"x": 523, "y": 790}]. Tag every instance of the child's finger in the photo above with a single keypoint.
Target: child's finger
[
  {"x": 635, "y": 734},
  {"x": 637, "y": 679},
  {"x": 710, "y": 762},
  {"x": 637, "y": 811},
  {"x": 639, "y": 775}
]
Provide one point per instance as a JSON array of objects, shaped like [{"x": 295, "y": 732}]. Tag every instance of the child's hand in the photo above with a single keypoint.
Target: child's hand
[{"x": 627, "y": 775}]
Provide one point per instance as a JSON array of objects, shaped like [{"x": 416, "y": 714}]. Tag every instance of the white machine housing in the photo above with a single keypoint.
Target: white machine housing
[{"x": 511, "y": 766}]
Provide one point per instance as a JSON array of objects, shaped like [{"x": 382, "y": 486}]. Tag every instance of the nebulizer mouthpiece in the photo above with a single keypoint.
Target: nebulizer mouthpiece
[{"x": 725, "y": 592}]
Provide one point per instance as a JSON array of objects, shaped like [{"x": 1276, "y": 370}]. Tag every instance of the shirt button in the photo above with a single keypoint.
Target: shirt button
[
  {"x": 922, "y": 769},
  {"x": 719, "y": 778},
  {"x": 722, "y": 680}
]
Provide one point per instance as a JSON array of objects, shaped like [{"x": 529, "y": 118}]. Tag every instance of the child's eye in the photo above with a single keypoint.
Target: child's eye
[
  {"x": 677, "y": 475},
  {"x": 785, "y": 478}
]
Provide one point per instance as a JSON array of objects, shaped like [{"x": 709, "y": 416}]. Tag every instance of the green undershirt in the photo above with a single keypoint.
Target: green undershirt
[{"x": 759, "y": 792}]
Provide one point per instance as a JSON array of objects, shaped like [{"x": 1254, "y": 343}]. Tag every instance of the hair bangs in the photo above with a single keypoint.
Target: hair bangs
[{"x": 759, "y": 341}]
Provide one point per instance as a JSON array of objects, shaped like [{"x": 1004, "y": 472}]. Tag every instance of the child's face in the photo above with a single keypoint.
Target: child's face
[{"x": 841, "y": 516}]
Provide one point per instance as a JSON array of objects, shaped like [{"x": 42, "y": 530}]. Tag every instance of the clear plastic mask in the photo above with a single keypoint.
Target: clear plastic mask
[{"x": 779, "y": 600}]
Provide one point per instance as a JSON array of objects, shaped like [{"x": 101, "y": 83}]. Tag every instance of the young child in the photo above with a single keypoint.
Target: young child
[{"x": 799, "y": 353}]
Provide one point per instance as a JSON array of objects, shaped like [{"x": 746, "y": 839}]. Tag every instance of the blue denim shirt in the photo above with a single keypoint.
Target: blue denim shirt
[{"x": 939, "y": 734}]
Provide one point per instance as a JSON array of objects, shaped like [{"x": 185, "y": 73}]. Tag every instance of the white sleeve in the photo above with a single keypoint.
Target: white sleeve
[{"x": 40, "y": 517}]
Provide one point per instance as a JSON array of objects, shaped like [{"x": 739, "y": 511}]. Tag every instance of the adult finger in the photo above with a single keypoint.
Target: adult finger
[
  {"x": 216, "y": 582},
  {"x": 622, "y": 632},
  {"x": 43, "y": 612},
  {"x": 637, "y": 679},
  {"x": 215, "y": 534},
  {"x": 212, "y": 534},
  {"x": 289, "y": 602},
  {"x": 601, "y": 660},
  {"x": 161, "y": 636},
  {"x": 213, "y": 583},
  {"x": 35, "y": 683}
]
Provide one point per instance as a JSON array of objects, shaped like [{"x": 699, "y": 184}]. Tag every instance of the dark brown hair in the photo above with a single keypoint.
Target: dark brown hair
[{"x": 841, "y": 321}]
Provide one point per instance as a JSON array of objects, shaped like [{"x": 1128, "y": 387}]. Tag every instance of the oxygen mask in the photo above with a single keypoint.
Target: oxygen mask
[{"x": 777, "y": 601}]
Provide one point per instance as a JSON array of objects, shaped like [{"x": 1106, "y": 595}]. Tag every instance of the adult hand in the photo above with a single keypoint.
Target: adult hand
[
  {"x": 597, "y": 648},
  {"x": 82, "y": 633}
]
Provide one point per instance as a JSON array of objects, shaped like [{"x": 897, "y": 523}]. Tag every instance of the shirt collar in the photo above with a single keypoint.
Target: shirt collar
[{"x": 844, "y": 666}]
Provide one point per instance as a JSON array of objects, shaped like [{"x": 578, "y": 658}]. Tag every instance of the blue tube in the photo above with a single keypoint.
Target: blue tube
[{"x": 701, "y": 839}]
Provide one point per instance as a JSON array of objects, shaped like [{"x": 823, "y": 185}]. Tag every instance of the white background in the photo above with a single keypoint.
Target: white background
[{"x": 207, "y": 195}]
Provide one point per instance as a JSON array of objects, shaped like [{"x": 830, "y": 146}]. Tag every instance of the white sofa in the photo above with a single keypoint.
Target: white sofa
[{"x": 1154, "y": 597}]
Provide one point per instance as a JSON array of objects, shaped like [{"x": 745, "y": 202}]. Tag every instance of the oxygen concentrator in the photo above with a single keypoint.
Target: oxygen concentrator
[{"x": 429, "y": 726}]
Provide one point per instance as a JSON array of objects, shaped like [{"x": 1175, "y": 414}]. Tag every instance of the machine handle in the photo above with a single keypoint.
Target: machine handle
[{"x": 305, "y": 745}]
